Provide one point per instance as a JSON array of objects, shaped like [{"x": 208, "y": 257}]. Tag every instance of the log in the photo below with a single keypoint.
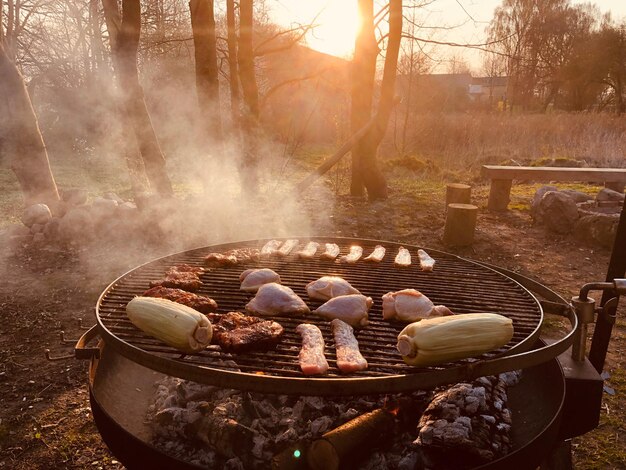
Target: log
[
  {"x": 458, "y": 193},
  {"x": 460, "y": 225},
  {"x": 346, "y": 444},
  {"x": 499, "y": 195}
]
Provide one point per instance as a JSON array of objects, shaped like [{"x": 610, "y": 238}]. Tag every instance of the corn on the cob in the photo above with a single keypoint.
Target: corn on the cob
[
  {"x": 444, "y": 339},
  {"x": 175, "y": 324}
]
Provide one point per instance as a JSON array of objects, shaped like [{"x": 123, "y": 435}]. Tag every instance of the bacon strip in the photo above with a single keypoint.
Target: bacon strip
[
  {"x": 270, "y": 248},
  {"x": 349, "y": 358},
  {"x": 332, "y": 251},
  {"x": 311, "y": 357},
  {"x": 288, "y": 246},
  {"x": 355, "y": 254},
  {"x": 403, "y": 258},
  {"x": 377, "y": 255},
  {"x": 426, "y": 262},
  {"x": 309, "y": 250}
]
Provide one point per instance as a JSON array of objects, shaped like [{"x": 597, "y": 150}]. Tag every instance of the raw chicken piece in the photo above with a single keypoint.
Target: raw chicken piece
[
  {"x": 270, "y": 248},
  {"x": 252, "y": 279},
  {"x": 410, "y": 305},
  {"x": 327, "y": 287},
  {"x": 311, "y": 357},
  {"x": 288, "y": 246},
  {"x": 355, "y": 254},
  {"x": 426, "y": 262},
  {"x": 274, "y": 299},
  {"x": 309, "y": 250},
  {"x": 349, "y": 358},
  {"x": 332, "y": 251},
  {"x": 350, "y": 308},
  {"x": 377, "y": 255},
  {"x": 403, "y": 258}
]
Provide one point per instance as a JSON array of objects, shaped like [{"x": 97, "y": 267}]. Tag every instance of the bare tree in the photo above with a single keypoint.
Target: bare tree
[
  {"x": 124, "y": 31},
  {"x": 231, "y": 40}
]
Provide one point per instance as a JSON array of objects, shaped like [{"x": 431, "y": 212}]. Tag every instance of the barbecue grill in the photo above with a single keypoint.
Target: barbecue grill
[{"x": 126, "y": 362}]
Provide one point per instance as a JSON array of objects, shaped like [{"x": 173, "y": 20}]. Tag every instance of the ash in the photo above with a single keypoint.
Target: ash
[{"x": 230, "y": 429}]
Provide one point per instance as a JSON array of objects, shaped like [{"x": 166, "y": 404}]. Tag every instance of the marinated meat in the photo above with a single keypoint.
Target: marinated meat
[
  {"x": 349, "y": 358},
  {"x": 311, "y": 357},
  {"x": 201, "y": 303},
  {"x": 270, "y": 248},
  {"x": 410, "y": 305},
  {"x": 353, "y": 256},
  {"x": 182, "y": 276},
  {"x": 252, "y": 279},
  {"x": 235, "y": 332},
  {"x": 309, "y": 250},
  {"x": 288, "y": 247},
  {"x": 332, "y": 251},
  {"x": 352, "y": 309},
  {"x": 403, "y": 258},
  {"x": 276, "y": 299},
  {"x": 377, "y": 255},
  {"x": 327, "y": 287},
  {"x": 232, "y": 257},
  {"x": 426, "y": 262}
]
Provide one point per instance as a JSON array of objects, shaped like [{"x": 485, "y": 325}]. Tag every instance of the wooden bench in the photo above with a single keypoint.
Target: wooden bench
[{"x": 502, "y": 177}]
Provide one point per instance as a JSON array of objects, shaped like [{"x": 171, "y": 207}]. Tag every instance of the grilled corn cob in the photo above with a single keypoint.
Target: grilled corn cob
[
  {"x": 444, "y": 339},
  {"x": 175, "y": 324}
]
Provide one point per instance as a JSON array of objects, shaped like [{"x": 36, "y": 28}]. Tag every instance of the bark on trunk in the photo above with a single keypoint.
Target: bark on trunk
[
  {"x": 207, "y": 85},
  {"x": 363, "y": 74},
  {"x": 232, "y": 62},
  {"x": 21, "y": 140},
  {"x": 124, "y": 36},
  {"x": 250, "y": 118}
]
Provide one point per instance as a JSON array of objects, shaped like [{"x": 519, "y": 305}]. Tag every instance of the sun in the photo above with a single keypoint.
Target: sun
[{"x": 337, "y": 27}]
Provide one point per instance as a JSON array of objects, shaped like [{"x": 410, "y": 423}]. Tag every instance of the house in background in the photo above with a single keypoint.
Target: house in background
[{"x": 488, "y": 90}]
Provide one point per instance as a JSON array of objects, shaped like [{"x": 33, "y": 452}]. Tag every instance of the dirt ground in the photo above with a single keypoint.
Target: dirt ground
[{"x": 45, "y": 417}]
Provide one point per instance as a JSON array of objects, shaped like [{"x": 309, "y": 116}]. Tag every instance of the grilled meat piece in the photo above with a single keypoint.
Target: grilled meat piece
[
  {"x": 351, "y": 308},
  {"x": 403, "y": 258},
  {"x": 201, "y": 303},
  {"x": 427, "y": 263},
  {"x": 327, "y": 287},
  {"x": 377, "y": 255},
  {"x": 252, "y": 279},
  {"x": 288, "y": 246},
  {"x": 410, "y": 305},
  {"x": 235, "y": 332},
  {"x": 353, "y": 256},
  {"x": 276, "y": 299},
  {"x": 349, "y": 358},
  {"x": 182, "y": 276},
  {"x": 311, "y": 357},
  {"x": 270, "y": 248},
  {"x": 232, "y": 257},
  {"x": 332, "y": 251},
  {"x": 309, "y": 250}
]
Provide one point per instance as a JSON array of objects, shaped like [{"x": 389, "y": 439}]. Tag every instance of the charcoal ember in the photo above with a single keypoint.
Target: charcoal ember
[
  {"x": 234, "y": 464},
  {"x": 467, "y": 424},
  {"x": 320, "y": 425}
]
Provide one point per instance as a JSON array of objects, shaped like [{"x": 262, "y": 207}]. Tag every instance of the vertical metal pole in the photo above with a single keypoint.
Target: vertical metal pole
[{"x": 617, "y": 269}]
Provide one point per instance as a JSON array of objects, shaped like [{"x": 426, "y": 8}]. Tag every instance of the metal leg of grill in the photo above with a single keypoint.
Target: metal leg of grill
[{"x": 560, "y": 458}]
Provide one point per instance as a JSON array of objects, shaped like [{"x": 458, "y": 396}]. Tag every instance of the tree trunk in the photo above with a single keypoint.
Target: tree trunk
[
  {"x": 231, "y": 41},
  {"x": 363, "y": 76},
  {"x": 124, "y": 36},
  {"x": 207, "y": 85},
  {"x": 250, "y": 118},
  {"x": 21, "y": 140}
]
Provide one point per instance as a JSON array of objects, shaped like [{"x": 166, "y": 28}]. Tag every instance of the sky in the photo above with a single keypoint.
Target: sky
[{"x": 469, "y": 18}]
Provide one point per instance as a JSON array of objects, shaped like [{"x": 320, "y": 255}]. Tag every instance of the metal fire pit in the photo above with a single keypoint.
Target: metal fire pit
[{"x": 463, "y": 286}]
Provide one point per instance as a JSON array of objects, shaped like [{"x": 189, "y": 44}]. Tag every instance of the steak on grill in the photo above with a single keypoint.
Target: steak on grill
[
  {"x": 181, "y": 276},
  {"x": 235, "y": 332},
  {"x": 201, "y": 303}
]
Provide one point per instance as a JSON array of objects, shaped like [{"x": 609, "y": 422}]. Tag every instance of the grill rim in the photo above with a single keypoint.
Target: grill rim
[{"x": 518, "y": 356}]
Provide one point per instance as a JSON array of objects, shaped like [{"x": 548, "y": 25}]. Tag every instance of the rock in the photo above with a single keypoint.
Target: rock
[
  {"x": 51, "y": 229},
  {"x": 39, "y": 238},
  {"x": 577, "y": 196},
  {"x": 103, "y": 210},
  {"x": 75, "y": 197},
  {"x": 558, "y": 212},
  {"x": 36, "y": 214},
  {"x": 18, "y": 231},
  {"x": 76, "y": 225},
  {"x": 36, "y": 228},
  {"x": 534, "y": 205},
  {"x": 597, "y": 228},
  {"x": 606, "y": 194}
]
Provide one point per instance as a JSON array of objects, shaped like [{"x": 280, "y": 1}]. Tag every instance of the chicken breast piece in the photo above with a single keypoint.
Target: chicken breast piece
[
  {"x": 349, "y": 358},
  {"x": 327, "y": 287},
  {"x": 311, "y": 357},
  {"x": 270, "y": 248},
  {"x": 377, "y": 255},
  {"x": 276, "y": 299},
  {"x": 288, "y": 247},
  {"x": 351, "y": 308},
  {"x": 353, "y": 256},
  {"x": 426, "y": 262},
  {"x": 309, "y": 250},
  {"x": 403, "y": 258},
  {"x": 410, "y": 305},
  {"x": 252, "y": 279},
  {"x": 332, "y": 251}
]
